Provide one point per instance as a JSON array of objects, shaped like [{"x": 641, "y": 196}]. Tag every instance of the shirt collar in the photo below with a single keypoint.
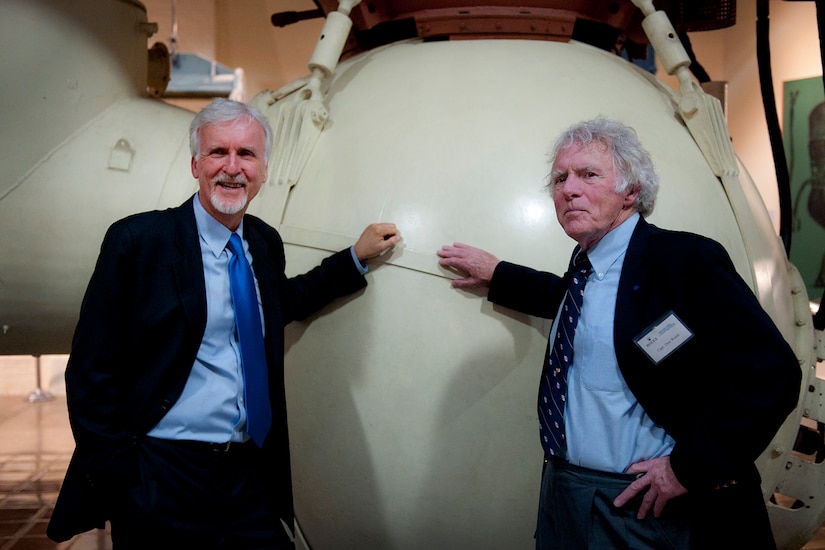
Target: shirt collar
[
  {"x": 211, "y": 231},
  {"x": 612, "y": 246}
]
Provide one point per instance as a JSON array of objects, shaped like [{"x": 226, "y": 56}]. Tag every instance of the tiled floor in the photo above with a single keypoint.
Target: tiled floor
[{"x": 35, "y": 447}]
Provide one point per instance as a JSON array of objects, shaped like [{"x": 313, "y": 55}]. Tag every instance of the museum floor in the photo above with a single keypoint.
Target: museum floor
[{"x": 35, "y": 446}]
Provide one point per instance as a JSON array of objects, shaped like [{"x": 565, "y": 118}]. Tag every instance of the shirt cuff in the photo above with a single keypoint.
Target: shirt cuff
[{"x": 362, "y": 267}]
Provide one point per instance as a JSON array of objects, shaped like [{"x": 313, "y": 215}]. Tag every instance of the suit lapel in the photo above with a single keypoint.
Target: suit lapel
[
  {"x": 188, "y": 267},
  {"x": 267, "y": 274},
  {"x": 635, "y": 272},
  {"x": 634, "y": 287}
]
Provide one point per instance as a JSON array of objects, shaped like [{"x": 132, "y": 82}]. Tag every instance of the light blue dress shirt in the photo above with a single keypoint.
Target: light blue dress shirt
[
  {"x": 607, "y": 429},
  {"x": 211, "y": 407}
]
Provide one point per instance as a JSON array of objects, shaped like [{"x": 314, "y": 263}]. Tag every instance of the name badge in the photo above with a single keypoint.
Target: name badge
[{"x": 663, "y": 337}]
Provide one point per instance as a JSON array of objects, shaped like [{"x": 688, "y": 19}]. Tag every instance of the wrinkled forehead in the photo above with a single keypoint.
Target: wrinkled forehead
[
  {"x": 239, "y": 126},
  {"x": 242, "y": 132},
  {"x": 575, "y": 154}
]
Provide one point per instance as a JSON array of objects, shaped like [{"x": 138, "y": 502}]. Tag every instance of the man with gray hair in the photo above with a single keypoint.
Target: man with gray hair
[
  {"x": 679, "y": 378},
  {"x": 175, "y": 381}
]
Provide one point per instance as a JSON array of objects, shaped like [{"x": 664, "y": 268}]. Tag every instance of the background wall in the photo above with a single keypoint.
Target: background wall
[
  {"x": 240, "y": 34},
  {"x": 240, "y": 37},
  {"x": 730, "y": 55}
]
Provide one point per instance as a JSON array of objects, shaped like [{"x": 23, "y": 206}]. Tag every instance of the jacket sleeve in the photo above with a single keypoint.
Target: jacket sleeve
[
  {"x": 727, "y": 391},
  {"x": 299, "y": 296},
  {"x": 304, "y": 294},
  {"x": 527, "y": 290}
]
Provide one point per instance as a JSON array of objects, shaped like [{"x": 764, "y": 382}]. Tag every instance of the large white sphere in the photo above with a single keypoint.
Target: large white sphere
[{"x": 412, "y": 405}]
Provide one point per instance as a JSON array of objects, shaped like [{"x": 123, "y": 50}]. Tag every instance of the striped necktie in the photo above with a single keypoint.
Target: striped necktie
[{"x": 553, "y": 388}]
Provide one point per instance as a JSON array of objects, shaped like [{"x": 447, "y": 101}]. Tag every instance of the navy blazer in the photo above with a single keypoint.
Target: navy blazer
[
  {"x": 141, "y": 323},
  {"x": 722, "y": 395}
]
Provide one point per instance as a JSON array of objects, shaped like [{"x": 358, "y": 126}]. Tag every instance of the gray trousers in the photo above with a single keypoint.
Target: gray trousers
[{"x": 576, "y": 512}]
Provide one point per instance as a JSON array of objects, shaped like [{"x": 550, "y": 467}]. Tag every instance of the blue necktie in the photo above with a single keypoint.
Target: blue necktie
[
  {"x": 251, "y": 340},
  {"x": 553, "y": 387}
]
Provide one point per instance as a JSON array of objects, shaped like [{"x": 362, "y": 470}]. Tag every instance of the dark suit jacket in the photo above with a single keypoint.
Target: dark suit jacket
[
  {"x": 724, "y": 393},
  {"x": 140, "y": 326}
]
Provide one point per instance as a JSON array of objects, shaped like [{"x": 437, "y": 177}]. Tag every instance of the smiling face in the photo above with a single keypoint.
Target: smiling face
[
  {"x": 583, "y": 183},
  {"x": 230, "y": 168}
]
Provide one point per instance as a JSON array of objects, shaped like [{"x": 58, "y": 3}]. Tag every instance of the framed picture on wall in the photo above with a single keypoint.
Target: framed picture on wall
[{"x": 804, "y": 140}]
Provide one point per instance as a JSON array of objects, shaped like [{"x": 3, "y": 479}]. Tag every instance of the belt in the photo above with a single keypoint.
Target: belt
[
  {"x": 229, "y": 447},
  {"x": 561, "y": 464}
]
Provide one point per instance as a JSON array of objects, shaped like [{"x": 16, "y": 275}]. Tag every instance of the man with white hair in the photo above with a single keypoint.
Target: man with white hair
[{"x": 679, "y": 378}]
